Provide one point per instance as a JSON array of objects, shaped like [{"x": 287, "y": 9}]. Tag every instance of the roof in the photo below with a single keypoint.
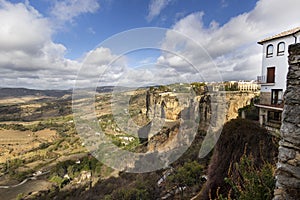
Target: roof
[{"x": 280, "y": 35}]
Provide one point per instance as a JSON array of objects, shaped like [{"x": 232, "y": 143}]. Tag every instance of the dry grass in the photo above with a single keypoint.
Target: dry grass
[{"x": 15, "y": 143}]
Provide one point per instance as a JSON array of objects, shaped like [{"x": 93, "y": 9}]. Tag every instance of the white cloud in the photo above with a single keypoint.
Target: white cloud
[
  {"x": 67, "y": 10},
  {"x": 145, "y": 76},
  {"x": 155, "y": 7},
  {"x": 99, "y": 56},
  {"x": 28, "y": 56},
  {"x": 102, "y": 63},
  {"x": 22, "y": 28},
  {"x": 233, "y": 45}
]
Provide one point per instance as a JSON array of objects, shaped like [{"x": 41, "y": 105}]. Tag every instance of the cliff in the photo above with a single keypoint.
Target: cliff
[
  {"x": 209, "y": 110},
  {"x": 166, "y": 105}
]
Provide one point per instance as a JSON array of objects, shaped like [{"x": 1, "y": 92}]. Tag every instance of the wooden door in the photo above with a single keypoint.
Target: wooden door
[{"x": 271, "y": 75}]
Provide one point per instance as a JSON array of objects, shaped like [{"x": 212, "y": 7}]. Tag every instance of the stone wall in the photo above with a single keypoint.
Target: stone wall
[
  {"x": 288, "y": 166},
  {"x": 265, "y": 98}
]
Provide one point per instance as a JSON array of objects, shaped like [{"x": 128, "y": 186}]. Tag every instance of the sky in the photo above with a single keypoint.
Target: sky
[{"x": 58, "y": 44}]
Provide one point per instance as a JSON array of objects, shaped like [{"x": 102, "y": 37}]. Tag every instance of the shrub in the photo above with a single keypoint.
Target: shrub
[
  {"x": 19, "y": 127},
  {"x": 252, "y": 182},
  {"x": 59, "y": 181},
  {"x": 20, "y": 196},
  {"x": 187, "y": 175},
  {"x": 239, "y": 138}
]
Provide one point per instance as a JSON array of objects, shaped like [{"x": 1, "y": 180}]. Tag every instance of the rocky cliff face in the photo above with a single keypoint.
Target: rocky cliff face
[
  {"x": 209, "y": 110},
  {"x": 167, "y": 105},
  {"x": 236, "y": 100},
  {"x": 288, "y": 166}
]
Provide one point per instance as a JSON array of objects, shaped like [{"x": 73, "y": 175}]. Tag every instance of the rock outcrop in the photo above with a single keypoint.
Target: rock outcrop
[
  {"x": 209, "y": 110},
  {"x": 288, "y": 166},
  {"x": 170, "y": 105}
]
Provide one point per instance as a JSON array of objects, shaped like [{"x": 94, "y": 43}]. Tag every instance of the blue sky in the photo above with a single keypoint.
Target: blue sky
[
  {"x": 46, "y": 42},
  {"x": 86, "y": 31}
]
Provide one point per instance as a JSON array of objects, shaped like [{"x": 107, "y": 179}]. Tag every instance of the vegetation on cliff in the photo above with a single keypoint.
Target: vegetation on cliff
[{"x": 241, "y": 164}]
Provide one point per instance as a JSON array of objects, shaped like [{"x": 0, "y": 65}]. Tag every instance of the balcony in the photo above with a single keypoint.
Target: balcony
[
  {"x": 270, "y": 106},
  {"x": 264, "y": 81},
  {"x": 261, "y": 79},
  {"x": 269, "y": 101}
]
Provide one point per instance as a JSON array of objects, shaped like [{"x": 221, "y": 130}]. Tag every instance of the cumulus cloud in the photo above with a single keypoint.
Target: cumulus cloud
[
  {"x": 101, "y": 65},
  {"x": 67, "y": 10},
  {"x": 233, "y": 46},
  {"x": 155, "y": 7},
  {"x": 28, "y": 56},
  {"x": 150, "y": 74},
  {"x": 15, "y": 34}
]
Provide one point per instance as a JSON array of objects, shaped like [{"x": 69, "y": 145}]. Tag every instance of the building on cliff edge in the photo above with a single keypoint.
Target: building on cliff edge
[{"x": 273, "y": 77}]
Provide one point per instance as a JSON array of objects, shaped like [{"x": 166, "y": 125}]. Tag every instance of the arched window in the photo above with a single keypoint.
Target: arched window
[
  {"x": 269, "y": 50},
  {"x": 280, "y": 49}
]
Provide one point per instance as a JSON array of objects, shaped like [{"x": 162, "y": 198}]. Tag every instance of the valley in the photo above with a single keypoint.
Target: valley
[{"x": 39, "y": 141}]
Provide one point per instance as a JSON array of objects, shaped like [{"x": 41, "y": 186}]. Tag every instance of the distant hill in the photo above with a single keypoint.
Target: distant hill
[
  {"x": 21, "y": 92},
  {"x": 105, "y": 89}
]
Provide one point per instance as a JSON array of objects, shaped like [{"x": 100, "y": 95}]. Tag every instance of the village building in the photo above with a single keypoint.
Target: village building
[{"x": 273, "y": 77}]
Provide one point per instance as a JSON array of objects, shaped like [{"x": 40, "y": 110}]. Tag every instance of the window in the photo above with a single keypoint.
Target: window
[
  {"x": 280, "y": 49},
  {"x": 274, "y": 116},
  {"x": 269, "y": 50},
  {"x": 271, "y": 75},
  {"x": 277, "y": 96}
]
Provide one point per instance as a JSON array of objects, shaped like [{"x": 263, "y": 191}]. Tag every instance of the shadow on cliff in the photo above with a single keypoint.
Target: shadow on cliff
[{"x": 239, "y": 137}]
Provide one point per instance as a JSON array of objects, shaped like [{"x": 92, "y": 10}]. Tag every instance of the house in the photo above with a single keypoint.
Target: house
[
  {"x": 241, "y": 85},
  {"x": 273, "y": 77},
  {"x": 248, "y": 86}
]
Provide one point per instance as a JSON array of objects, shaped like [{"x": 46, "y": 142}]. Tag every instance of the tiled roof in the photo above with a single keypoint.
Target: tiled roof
[{"x": 283, "y": 34}]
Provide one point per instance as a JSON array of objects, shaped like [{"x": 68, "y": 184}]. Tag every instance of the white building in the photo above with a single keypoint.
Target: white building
[
  {"x": 248, "y": 86},
  {"x": 273, "y": 77}
]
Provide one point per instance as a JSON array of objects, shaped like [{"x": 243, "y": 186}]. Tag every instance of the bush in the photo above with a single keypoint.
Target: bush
[
  {"x": 19, "y": 127},
  {"x": 239, "y": 138},
  {"x": 187, "y": 175},
  {"x": 40, "y": 126},
  {"x": 20, "y": 196},
  {"x": 59, "y": 181},
  {"x": 44, "y": 145},
  {"x": 252, "y": 182}
]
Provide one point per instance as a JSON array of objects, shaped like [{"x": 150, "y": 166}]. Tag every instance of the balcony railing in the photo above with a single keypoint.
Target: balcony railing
[{"x": 263, "y": 80}]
